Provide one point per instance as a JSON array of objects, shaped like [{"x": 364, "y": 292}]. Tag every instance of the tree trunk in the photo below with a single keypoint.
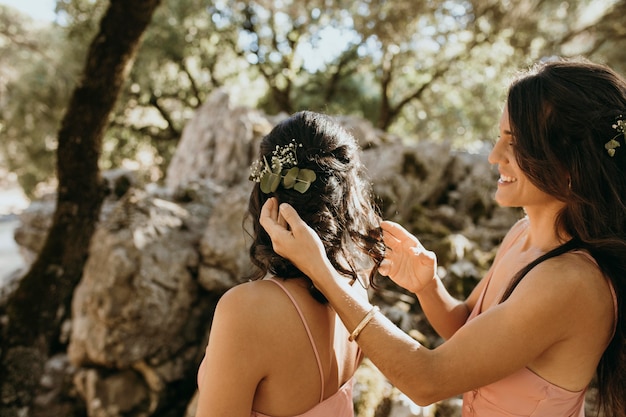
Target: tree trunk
[{"x": 42, "y": 301}]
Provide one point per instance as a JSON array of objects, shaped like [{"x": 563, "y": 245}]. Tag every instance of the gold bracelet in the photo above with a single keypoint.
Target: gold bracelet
[{"x": 369, "y": 316}]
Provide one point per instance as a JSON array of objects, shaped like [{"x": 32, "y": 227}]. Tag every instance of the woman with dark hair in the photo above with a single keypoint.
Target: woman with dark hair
[
  {"x": 549, "y": 316},
  {"x": 276, "y": 346}
]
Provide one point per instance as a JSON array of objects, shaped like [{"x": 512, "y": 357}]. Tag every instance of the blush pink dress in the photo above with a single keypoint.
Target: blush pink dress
[{"x": 523, "y": 393}]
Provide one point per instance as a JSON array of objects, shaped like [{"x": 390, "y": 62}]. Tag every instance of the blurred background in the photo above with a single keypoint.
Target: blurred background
[
  {"x": 433, "y": 70},
  {"x": 421, "y": 83}
]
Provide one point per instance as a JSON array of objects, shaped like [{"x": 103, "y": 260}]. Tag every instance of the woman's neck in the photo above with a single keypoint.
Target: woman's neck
[{"x": 543, "y": 234}]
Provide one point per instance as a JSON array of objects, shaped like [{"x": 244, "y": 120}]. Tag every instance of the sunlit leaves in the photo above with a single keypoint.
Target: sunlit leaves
[{"x": 434, "y": 69}]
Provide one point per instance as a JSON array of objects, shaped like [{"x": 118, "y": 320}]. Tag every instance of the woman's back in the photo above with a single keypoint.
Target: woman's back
[
  {"x": 277, "y": 348},
  {"x": 283, "y": 353},
  {"x": 295, "y": 384}
]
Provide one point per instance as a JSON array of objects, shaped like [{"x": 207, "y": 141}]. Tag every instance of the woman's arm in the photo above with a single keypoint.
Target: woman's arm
[
  {"x": 490, "y": 347},
  {"x": 445, "y": 313},
  {"x": 232, "y": 367},
  {"x": 500, "y": 341},
  {"x": 413, "y": 267}
]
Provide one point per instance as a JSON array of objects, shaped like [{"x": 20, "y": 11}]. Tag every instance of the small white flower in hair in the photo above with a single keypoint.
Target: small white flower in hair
[
  {"x": 282, "y": 169},
  {"x": 620, "y": 126}
]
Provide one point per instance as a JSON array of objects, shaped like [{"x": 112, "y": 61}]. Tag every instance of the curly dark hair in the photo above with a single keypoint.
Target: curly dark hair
[
  {"x": 338, "y": 205},
  {"x": 562, "y": 113}
]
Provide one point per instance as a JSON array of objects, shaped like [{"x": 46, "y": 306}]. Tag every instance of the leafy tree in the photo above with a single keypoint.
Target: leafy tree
[
  {"x": 34, "y": 97},
  {"x": 180, "y": 64},
  {"x": 42, "y": 300},
  {"x": 433, "y": 70}
]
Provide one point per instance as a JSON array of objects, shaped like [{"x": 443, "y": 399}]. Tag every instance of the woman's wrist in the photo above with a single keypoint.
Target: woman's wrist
[
  {"x": 321, "y": 273},
  {"x": 368, "y": 317},
  {"x": 428, "y": 286}
]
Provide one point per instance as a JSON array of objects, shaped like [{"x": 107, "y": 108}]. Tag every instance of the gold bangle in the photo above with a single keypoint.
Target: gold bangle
[{"x": 369, "y": 316}]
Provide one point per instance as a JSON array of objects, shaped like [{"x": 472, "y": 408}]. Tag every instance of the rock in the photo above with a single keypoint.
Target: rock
[
  {"x": 139, "y": 306},
  {"x": 224, "y": 247},
  {"x": 218, "y": 144},
  {"x": 163, "y": 255},
  {"x": 35, "y": 221},
  {"x": 58, "y": 394},
  {"x": 114, "y": 395},
  {"x": 138, "y": 288}
]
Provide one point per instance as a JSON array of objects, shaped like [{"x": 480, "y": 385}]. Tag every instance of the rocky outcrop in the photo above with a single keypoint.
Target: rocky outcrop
[
  {"x": 217, "y": 143},
  {"x": 161, "y": 257},
  {"x": 138, "y": 309}
]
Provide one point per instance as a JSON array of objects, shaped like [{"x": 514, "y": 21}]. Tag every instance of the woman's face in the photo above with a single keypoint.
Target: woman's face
[{"x": 514, "y": 187}]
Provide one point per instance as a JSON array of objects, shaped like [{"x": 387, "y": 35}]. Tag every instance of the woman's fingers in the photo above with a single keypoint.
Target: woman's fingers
[
  {"x": 275, "y": 219},
  {"x": 275, "y": 224},
  {"x": 282, "y": 222},
  {"x": 398, "y": 232},
  {"x": 288, "y": 232},
  {"x": 289, "y": 216},
  {"x": 396, "y": 236},
  {"x": 269, "y": 216},
  {"x": 385, "y": 267}
]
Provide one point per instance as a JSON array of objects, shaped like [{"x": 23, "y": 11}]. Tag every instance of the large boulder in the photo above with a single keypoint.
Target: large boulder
[
  {"x": 218, "y": 144},
  {"x": 138, "y": 314},
  {"x": 224, "y": 259},
  {"x": 161, "y": 258}
]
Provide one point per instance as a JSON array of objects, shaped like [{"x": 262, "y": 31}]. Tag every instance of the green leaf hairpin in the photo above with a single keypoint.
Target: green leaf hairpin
[{"x": 282, "y": 170}]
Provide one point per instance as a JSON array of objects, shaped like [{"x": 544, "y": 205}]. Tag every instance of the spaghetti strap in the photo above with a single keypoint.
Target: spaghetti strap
[{"x": 308, "y": 331}]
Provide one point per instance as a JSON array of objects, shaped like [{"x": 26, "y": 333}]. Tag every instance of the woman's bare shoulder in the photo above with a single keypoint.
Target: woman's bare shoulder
[
  {"x": 247, "y": 291},
  {"x": 256, "y": 311},
  {"x": 252, "y": 298},
  {"x": 575, "y": 267},
  {"x": 572, "y": 280}
]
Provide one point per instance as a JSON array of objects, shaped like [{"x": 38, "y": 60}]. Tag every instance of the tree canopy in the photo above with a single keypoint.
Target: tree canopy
[{"x": 424, "y": 70}]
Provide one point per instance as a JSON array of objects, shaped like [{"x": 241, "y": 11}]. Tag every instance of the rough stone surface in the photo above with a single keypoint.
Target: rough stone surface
[
  {"x": 162, "y": 256},
  {"x": 224, "y": 245},
  {"x": 137, "y": 290},
  {"x": 217, "y": 143}
]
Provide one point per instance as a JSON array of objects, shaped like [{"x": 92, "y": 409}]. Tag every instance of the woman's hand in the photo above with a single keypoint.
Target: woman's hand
[
  {"x": 292, "y": 238},
  {"x": 406, "y": 261}
]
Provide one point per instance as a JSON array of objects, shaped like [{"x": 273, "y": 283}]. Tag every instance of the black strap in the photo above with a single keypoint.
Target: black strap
[{"x": 559, "y": 250}]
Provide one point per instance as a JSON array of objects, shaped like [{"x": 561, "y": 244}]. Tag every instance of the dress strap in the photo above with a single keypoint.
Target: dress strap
[{"x": 308, "y": 332}]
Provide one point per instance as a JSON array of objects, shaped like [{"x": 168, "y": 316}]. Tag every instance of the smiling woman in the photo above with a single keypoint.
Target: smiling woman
[{"x": 554, "y": 294}]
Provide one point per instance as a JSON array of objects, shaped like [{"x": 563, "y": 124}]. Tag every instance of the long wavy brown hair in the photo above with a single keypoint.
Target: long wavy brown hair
[
  {"x": 562, "y": 113},
  {"x": 338, "y": 205}
]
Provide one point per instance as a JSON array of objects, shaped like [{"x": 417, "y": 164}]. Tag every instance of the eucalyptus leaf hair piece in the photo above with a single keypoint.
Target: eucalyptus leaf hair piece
[{"x": 283, "y": 170}]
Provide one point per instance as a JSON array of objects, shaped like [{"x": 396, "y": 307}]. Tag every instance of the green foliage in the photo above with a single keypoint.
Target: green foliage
[
  {"x": 80, "y": 18},
  {"x": 423, "y": 70},
  {"x": 43, "y": 71}
]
